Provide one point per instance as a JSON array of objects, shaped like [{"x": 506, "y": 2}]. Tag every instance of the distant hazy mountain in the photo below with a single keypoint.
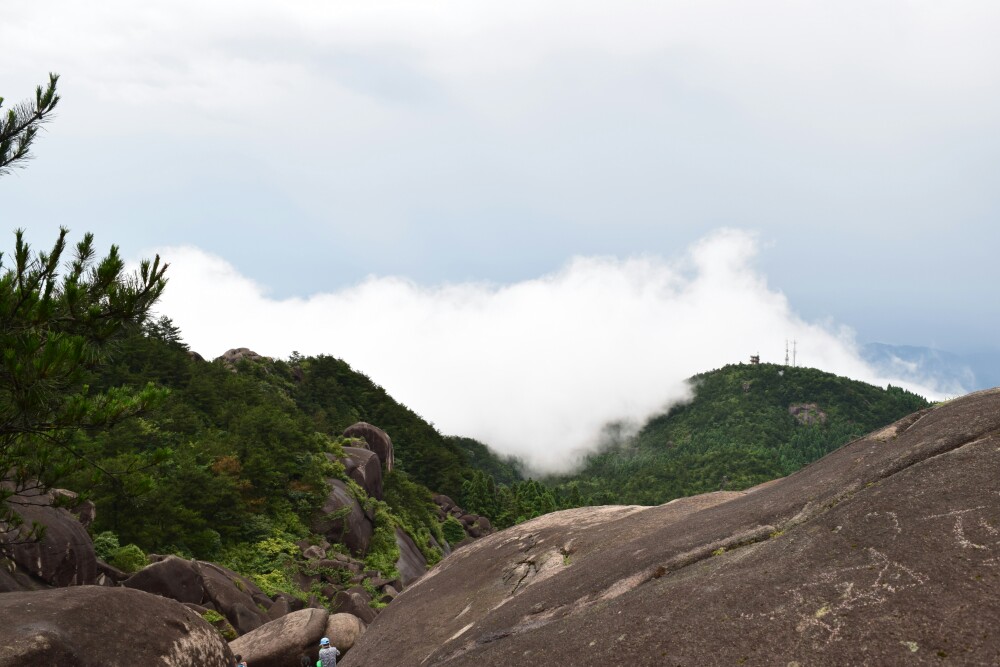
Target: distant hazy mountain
[{"x": 949, "y": 372}]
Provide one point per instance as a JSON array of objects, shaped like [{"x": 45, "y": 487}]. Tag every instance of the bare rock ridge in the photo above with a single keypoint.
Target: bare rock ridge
[{"x": 886, "y": 551}]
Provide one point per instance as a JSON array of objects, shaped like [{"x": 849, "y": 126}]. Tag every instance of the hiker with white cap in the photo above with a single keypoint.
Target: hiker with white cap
[{"x": 327, "y": 654}]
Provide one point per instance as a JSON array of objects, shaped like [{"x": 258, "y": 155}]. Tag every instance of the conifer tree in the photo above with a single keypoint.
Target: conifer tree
[
  {"x": 20, "y": 124},
  {"x": 59, "y": 321},
  {"x": 54, "y": 331}
]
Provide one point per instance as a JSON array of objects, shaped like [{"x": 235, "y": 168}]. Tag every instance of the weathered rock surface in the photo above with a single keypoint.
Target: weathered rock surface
[
  {"x": 344, "y": 630},
  {"x": 172, "y": 577},
  {"x": 95, "y": 626},
  {"x": 232, "y": 595},
  {"x": 377, "y": 439},
  {"x": 206, "y": 584},
  {"x": 233, "y": 357},
  {"x": 885, "y": 552},
  {"x": 63, "y": 557},
  {"x": 279, "y": 643},
  {"x": 342, "y": 519},
  {"x": 411, "y": 562},
  {"x": 365, "y": 468},
  {"x": 355, "y": 602}
]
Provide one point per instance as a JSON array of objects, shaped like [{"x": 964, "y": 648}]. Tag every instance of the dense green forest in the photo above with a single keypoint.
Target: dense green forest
[
  {"x": 234, "y": 454},
  {"x": 738, "y": 430}
]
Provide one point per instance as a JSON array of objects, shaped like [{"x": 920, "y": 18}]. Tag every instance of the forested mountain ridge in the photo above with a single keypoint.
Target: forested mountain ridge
[
  {"x": 745, "y": 424},
  {"x": 234, "y": 452}
]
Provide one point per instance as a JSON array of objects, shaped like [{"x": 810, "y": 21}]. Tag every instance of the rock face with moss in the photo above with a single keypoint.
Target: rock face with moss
[
  {"x": 343, "y": 520},
  {"x": 883, "y": 552},
  {"x": 95, "y": 626}
]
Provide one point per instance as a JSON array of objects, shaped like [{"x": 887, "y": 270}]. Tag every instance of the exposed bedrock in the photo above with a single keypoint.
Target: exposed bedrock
[{"x": 887, "y": 551}]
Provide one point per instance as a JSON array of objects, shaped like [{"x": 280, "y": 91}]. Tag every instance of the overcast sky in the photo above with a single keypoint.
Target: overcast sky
[{"x": 314, "y": 149}]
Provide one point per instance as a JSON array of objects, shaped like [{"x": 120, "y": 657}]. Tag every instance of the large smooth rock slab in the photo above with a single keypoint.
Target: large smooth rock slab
[
  {"x": 280, "y": 642},
  {"x": 378, "y": 441},
  {"x": 365, "y": 468},
  {"x": 411, "y": 562},
  {"x": 344, "y": 630},
  {"x": 96, "y": 626},
  {"x": 342, "y": 519},
  {"x": 885, "y": 552}
]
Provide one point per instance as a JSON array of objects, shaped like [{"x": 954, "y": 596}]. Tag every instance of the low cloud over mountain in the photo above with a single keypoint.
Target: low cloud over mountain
[{"x": 534, "y": 368}]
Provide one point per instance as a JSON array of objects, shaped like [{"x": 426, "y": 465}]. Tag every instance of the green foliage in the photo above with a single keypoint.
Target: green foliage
[
  {"x": 20, "y": 124},
  {"x": 411, "y": 506},
  {"x": 220, "y": 623},
  {"x": 56, "y": 329},
  {"x": 505, "y": 470},
  {"x": 129, "y": 559},
  {"x": 105, "y": 544},
  {"x": 374, "y": 594},
  {"x": 383, "y": 552},
  {"x": 270, "y": 563},
  {"x": 212, "y": 616},
  {"x": 453, "y": 530},
  {"x": 506, "y": 505}
]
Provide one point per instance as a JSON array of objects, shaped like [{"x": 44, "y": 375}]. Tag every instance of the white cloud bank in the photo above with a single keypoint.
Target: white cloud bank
[{"x": 534, "y": 368}]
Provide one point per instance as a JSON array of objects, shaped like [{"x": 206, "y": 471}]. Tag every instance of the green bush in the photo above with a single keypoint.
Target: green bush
[
  {"x": 128, "y": 559},
  {"x": 105, "y": 545},
  {"x": 453, "y": 530},
  {"x": 383, "y": 552},
  {"x": 278, "y": 581}
]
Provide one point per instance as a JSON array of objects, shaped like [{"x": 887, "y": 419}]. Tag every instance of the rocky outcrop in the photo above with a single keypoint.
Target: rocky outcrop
[
  {"x": 280, "y": 642},
  {"x": 95, "y": 626},
  {"x": 172, "y": 577},
  {"x": 807, "y": 413},
  {"x": 208, "y": 585},
  {"x": 355, "y": 602},
  {"x": 65, "y": 554},
  {"x": 884, "y": 552},
  {"x": 232, "y": 358},
  {"x": 411, "y": 562},
  {"x": 377, "y": 440},
  {"x": 365, "y": 468},
  {"x": 343, "y": 520},
  {"x": 473, "y": 525}
]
